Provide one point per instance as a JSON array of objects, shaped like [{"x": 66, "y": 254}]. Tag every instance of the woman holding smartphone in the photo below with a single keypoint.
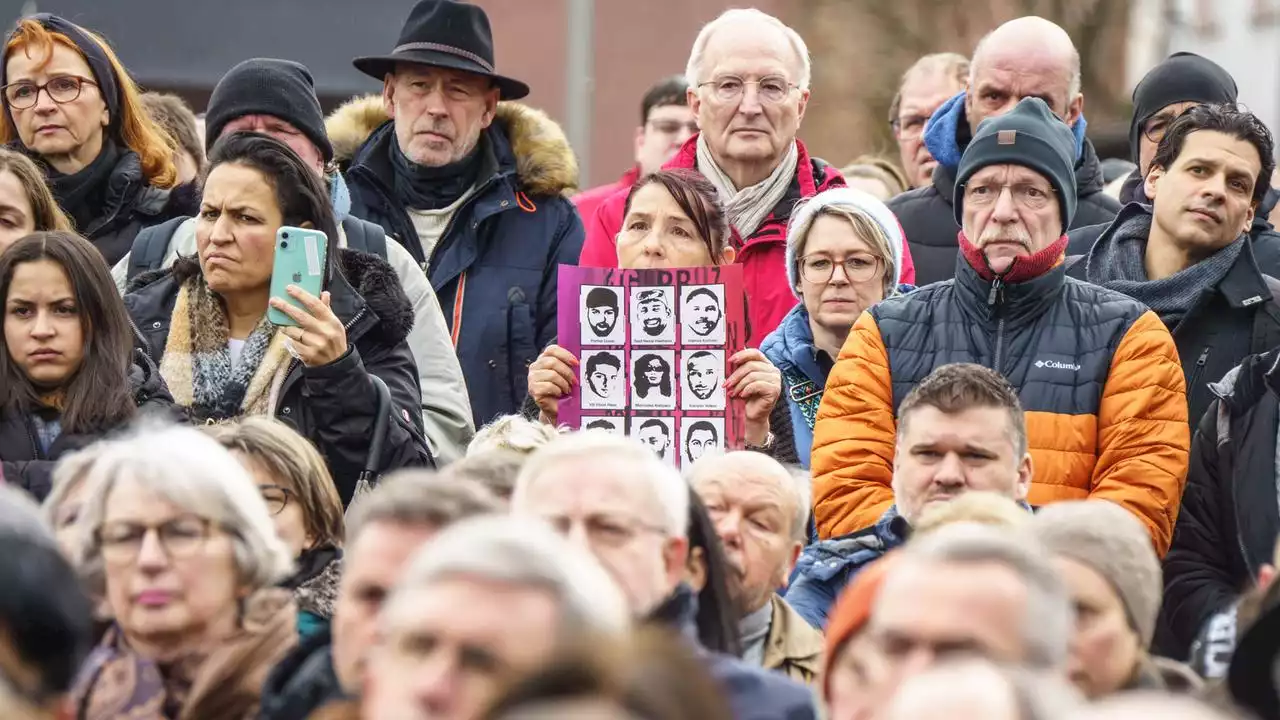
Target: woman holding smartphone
[{"x": 205, "y": 319}]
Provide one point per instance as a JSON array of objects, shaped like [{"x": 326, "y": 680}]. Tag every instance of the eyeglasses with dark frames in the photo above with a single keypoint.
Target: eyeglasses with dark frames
[{"x": 61, "y": 89}]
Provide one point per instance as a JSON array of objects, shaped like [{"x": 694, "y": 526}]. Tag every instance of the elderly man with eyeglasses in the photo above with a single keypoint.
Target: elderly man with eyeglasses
[
  {"x": 1025, "y": 57},
  {"x": 749, "y": 87},
  {"x": 1096, "y": 371}
]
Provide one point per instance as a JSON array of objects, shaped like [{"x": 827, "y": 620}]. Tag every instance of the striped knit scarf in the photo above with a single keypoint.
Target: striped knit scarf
[{"x": 197, "y": 361}]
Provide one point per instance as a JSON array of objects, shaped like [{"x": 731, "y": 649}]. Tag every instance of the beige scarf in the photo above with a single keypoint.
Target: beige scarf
[
  {"x": 197, "y": 362},
  {"x": 748, "y": 207}
]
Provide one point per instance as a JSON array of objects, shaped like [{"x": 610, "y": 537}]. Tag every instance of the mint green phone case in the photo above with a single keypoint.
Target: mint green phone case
[{"x": 300, "y": 260}]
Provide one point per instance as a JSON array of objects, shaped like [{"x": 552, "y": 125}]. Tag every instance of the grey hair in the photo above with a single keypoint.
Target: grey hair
[
  {"x": 192, "y": 471},
  {"x": 512, "y": 432},
  {"x": 517, "y": 551},
  {"x": 20, "y": 516},
  {"x": 1049, "y": 619},
  {"x": 419, "y": 498},
  {"x": 68, "y": 476},
  {"x": 669, "y": 488},
  {"x": 693, "y": 70},
  {"x": 736, "y": 464}
]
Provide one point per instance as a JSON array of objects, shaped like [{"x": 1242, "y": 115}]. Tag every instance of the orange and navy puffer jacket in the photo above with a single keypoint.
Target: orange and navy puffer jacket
[{"x": 1097, "y": 373}]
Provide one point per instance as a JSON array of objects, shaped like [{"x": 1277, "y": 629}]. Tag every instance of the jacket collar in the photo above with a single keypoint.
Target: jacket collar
[
  {"x": 792, "y": 642},
  {"x": 1243, "y": 286},
  {"x": 792, "y": 346},
  {"x": 1013, "y": 302}
]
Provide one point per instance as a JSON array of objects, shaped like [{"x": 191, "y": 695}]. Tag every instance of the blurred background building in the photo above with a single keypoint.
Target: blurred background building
[{"x": 589, "y": 61}]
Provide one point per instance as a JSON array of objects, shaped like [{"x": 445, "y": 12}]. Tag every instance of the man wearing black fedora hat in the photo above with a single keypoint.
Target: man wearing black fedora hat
[{"x": 473, "y": 187}]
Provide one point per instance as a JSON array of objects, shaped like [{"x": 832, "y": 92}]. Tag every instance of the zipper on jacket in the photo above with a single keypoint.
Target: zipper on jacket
[
  {"x": 35, "y": 441},
  {"x": 995, "y": 299},
  {"x": 1200, "y": 363}
]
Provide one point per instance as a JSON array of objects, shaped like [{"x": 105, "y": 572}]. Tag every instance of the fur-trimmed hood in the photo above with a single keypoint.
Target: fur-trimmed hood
[{"x": 545, "y": 163}]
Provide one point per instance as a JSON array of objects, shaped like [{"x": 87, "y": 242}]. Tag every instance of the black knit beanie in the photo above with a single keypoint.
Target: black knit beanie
[
  {"x": 1028, "y": 135},
  {"x": 1182, "y": 77},
  {"x": 265, "y": 86}
]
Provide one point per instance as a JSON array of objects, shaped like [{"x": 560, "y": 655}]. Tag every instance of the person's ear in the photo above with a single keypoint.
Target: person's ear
[
  {"x": 490, "y": 107},
  {"x": 1248, "y": 217},
  {"x": 804, "y": 103},
  {"x": 1075, "y": 109},
  {"x": 1025, "y": 473},
  {"x": 389, "y": 95},
  {"x": 1152, "y": 182},
  {"x": 793, "y": 557},
  {"x": 639, "y": 142}
]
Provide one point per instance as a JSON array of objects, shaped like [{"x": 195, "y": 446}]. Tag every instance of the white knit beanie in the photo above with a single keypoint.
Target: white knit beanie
[{"x": 853, "y": 200}]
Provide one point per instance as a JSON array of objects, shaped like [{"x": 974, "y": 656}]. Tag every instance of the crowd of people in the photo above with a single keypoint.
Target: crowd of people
[{"x": 1010, "y": 410}]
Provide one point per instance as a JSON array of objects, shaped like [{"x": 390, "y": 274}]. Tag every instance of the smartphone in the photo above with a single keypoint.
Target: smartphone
[{"x": 300, "y": 260}]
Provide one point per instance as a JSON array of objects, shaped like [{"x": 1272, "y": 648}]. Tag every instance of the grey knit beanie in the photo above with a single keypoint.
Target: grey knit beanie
[{"x": 1110, "y": 540}]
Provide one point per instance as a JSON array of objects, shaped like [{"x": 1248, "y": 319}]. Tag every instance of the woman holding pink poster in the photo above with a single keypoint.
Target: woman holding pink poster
[{"x": 674, "y": 219}]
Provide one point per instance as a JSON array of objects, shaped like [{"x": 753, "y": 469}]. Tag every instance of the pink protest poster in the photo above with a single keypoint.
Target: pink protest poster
[{"x": 653, "y": 349}]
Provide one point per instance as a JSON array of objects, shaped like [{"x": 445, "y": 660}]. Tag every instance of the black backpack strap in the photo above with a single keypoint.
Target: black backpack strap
[
  {"x": 150, "y": 246},
  {"x": 365, "y": 236}
]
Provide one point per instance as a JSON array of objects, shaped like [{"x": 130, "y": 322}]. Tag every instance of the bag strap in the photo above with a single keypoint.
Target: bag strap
[
  {"x": 365, "y": 236},
  {"x": 150, "y": 246}
]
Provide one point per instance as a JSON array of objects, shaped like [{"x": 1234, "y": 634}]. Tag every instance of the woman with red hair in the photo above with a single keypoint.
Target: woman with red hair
[{"x": 71, "y": 107}]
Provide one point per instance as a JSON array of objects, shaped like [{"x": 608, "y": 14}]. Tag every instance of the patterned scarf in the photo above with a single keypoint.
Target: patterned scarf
[
  {"x": 223, "y": 681},
  {"x": 197, "y": 361},
  {"x": 1118, "y": 262},
  {"x": 748, "y": 207}
]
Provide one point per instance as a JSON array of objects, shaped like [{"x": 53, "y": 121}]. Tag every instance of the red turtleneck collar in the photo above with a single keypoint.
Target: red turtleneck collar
[{"x": 1023, "y": 269}]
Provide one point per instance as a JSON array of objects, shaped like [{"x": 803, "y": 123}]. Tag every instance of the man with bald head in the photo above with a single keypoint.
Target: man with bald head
[
  {"x": 748, "y": 79},
  {"x": 1026, "y": 57},
  {"x": 761, "y": 513}
]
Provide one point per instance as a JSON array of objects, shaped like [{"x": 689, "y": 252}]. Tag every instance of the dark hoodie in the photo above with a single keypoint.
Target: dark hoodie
[{"x": 926, "y": 213}]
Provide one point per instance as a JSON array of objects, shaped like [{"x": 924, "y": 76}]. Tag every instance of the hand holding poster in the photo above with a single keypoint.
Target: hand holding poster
[{"x": 653, "y": 349}]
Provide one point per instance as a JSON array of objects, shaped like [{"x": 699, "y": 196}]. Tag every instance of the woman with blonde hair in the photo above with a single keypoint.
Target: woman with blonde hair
[
  {"x": 304, "y": 506},
  {"x": 26, "y": 204},
  {"x": 844, "y": 254},
  {"x": 70, "y": 105}
]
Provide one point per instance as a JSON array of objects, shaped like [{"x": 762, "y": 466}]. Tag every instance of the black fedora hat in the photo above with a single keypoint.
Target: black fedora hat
[{"x": 448, "y": 34}]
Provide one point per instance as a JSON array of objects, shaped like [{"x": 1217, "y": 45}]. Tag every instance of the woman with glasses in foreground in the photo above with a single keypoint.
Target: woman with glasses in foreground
[
  {"x": 304, "y": 504},
  {"x": 844, "y": 254},
  {"x": 178, "y": 539},
  {"x": 70, "y": 106}
]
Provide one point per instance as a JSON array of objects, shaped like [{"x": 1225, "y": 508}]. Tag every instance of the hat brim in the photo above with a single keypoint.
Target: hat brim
[{"x": 378, "y": 66}]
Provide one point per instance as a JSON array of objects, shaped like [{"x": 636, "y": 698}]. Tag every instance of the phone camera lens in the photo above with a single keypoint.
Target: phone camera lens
[{"x": 284, "y": 245}]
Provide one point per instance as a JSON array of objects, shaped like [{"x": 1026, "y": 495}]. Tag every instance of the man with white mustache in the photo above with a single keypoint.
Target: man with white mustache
[{"x": 1096, "y": 371}]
